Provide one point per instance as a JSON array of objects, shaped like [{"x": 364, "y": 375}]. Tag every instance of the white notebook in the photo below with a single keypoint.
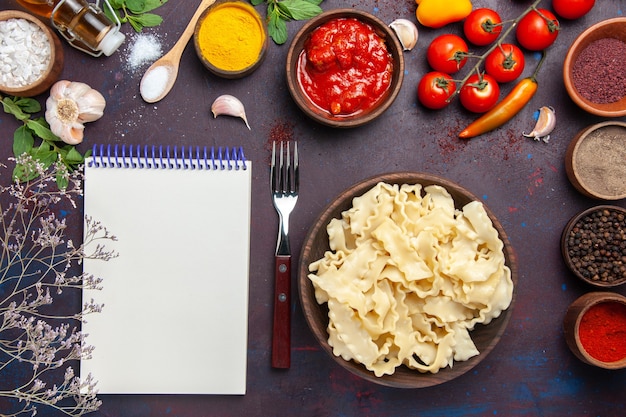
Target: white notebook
[{"x": 175, "y": 317}]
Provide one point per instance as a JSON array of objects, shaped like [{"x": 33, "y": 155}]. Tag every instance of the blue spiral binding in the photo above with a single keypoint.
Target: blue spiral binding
[{"x": 168, "y": 157}]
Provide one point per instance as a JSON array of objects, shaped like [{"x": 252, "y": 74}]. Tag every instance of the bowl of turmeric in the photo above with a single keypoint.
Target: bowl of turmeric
[{"x": 230, "y": 39}]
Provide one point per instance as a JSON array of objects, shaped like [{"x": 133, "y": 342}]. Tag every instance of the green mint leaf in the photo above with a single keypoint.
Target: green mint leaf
[
  {"x": 28, "y": 105},
  {"x": 149, "y": 19},
  {"x": 256, "y": 2},
  {"x": 136, "y": 6},
  {"x": 74, "y": 157},
  {"x": 23, "y": 141},
  {"x": 277, "y": 29},
  {"x": 45, "y": 155},
  {"x": 317, "y": 2},
  {"x": 11, "y": 107},
  {"x": 42, "y": 130},
  {"x": 299, "y": 9},
  {"x": 135, "y": 23},
  {"x": 153, "y": 4}
]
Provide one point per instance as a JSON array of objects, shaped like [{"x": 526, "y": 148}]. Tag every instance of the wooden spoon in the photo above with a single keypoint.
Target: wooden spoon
[{"x": 159, "y": 79}]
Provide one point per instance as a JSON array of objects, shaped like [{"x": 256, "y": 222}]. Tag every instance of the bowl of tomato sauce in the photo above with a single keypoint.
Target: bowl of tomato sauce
[{"x": 344, "y": 68}]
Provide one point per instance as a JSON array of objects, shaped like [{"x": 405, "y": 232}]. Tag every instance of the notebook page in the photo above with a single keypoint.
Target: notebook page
[{"x": 176, "y": 299}]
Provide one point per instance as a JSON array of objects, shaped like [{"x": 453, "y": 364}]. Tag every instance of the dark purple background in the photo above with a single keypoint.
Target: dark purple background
[{"x": 530, "y": 372}]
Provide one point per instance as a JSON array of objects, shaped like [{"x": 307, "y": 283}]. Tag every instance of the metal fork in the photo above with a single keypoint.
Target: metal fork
[{"x": 284, "y": 179}]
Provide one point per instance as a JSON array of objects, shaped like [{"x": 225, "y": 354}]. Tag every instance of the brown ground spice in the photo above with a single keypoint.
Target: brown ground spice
[
  {"x": 599, "y": 72},
  {"x": 601, "y": 161}
]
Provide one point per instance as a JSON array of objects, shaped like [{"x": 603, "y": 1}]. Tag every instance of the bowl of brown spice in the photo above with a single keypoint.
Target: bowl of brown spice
[
  {"x": 594, "y": 327},
  {"x": 31, "y": 55},
  {"x": 593, "y": 245},
  {"x": 593, "y": 71},
  {"x": 594, "y": 161}
]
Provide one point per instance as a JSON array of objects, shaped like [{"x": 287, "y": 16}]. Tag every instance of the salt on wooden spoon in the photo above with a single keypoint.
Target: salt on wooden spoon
[{"x": 159, "y": 79}]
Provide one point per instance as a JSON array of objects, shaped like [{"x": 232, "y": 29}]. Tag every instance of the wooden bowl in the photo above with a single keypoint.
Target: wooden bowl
[
  {"x": 324, "y": 116},
  {"x": 316, "y": 244},
  {"x": 572, "y": 323},
  {"x": 571, "y": 243},
  {"x": 611, "y": 28},
  {"x": 55, "y": 66},
  {"x": 594, "y": 161},
  {"x": 221, "y": 63}
]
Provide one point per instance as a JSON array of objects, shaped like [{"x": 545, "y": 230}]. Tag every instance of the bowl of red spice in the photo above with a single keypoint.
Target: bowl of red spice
[
  {"x": 31, "y": 55},
  {"x": 595, "y": 329},
  {"x": 594, "y": 161},
  {"x": 344, "y": 68},
  {"x": 593, "y": 70},
  {"x": 593, "y": 245}
]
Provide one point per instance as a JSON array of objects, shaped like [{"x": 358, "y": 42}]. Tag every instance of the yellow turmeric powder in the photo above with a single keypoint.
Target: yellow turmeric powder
[{"x": 231, "y": 36}]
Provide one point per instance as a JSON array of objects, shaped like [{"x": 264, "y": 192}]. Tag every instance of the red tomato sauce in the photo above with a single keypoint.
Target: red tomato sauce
[{"x": 345, "y": 67}]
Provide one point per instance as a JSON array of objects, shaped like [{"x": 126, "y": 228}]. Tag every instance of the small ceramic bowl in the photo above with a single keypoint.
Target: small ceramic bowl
[
  {"x": 315, "y": 245},
  {"x": 592, "y": 245},
  {"x": 55, "y": 64},
  {"x": 230, "y": 48},
  {"x": 611, "y": 28},
  {"x": 602, "y": 349},
  {"x": 324, "y": 116},
  {"x": 594, "y": 161}
]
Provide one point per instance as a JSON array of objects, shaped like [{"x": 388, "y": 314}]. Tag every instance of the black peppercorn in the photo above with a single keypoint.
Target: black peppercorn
[{"x": 596, "y": 246}]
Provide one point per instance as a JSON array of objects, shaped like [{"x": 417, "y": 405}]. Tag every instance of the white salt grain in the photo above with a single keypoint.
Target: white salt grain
[
  {"x": 24, "y": 53},
  {"x": 145, "y": 48},
  {"x": 154, "y": 82}
]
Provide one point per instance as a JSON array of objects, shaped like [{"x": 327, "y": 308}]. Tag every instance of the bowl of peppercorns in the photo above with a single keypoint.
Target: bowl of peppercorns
[{"x": 593, "y": 245}]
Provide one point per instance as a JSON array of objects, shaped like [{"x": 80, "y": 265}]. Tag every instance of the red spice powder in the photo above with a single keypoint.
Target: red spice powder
[
  {"x": 598, "y": 73},
  {"x": 602, "y": 331}
]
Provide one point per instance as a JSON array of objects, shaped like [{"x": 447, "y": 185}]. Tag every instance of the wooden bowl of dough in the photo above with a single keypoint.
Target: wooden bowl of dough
[
  {"x": 45, "y": 55},
  {"x": 316, "y": 244}
]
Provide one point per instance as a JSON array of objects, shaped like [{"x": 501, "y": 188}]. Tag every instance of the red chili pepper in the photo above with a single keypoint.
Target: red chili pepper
[
  {"x": 602, "y": 331},
  {"x": 504, "y": 111}
]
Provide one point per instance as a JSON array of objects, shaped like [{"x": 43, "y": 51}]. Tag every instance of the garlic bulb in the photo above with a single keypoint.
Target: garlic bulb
[
  {"x": 70, "y": 105},
  {"x": 406, "y": 31},
  {"x": 230, "y": 106}
]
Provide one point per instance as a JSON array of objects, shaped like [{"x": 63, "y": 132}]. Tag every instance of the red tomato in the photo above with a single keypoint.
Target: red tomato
[
  {"x": 434, "y": 89},
  {"x": 505, "y": 63},
  {"x": 447, "y": 53},
  {"x": 479, "y": 95},
  {"x": 482, "y": 26},
  {"x": 536, "y": 31},
  {"x": 572, "y": 9}
]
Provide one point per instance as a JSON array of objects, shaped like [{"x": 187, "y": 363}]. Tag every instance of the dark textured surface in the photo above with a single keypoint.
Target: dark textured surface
[{"x": 530, "y": 372}]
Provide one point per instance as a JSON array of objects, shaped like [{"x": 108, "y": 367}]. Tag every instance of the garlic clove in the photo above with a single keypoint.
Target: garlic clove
[
  {"x": 546, "y": 122},
  {"x": 230, "y": 106},
  {"x": 406, "y": 31}
]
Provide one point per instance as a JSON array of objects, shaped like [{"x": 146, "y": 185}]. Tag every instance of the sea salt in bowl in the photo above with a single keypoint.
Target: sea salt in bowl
[
  {"x": 593, "y": 245},
  {"x": 594, "y": 327},
  {"x": 31, "y": 55},
  {"x": 595, "y": 161},
  {"x": 594, "y": 83}
]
